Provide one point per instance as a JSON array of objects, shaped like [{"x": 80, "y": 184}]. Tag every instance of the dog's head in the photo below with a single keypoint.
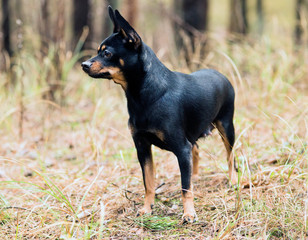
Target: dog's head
[{"x": 117, "y": 54}]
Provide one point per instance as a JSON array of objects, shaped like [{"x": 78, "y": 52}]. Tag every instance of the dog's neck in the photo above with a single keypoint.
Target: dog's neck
[{"x": 149, "y": 81}]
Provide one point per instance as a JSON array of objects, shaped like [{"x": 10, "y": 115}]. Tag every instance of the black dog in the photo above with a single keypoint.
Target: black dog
[{"x": 167, "y": 109}]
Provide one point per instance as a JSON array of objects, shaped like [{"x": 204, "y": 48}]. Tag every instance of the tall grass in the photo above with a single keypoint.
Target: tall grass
[{"x": 74, "y": 173}]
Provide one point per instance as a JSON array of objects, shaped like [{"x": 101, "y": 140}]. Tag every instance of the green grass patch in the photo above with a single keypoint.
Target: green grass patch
[{"x": 156, "y": 223}]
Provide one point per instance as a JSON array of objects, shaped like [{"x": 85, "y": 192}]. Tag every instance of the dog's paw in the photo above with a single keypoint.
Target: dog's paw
[
  {"x": 189, "y": 218},
  {"x": 233, "y": 186},
  {"x": 233, "y": 179},
  {"x": 144, "y": 210},
  {"x": 195, "y": 177}
]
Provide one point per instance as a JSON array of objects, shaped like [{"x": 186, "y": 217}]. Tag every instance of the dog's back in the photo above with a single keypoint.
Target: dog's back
[{"x": 203, "y": 98}]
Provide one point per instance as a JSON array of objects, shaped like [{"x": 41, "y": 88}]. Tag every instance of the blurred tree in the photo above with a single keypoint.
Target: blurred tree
[
  {"x": 58, "y": 38},
  {"x": 130, "y": 12},
  {"x": 238, "y": 17},
  {"x": 108, "y": 26},
  {"x": 81, "y": 19},
  {"x": 260, "y": 16},
  {"x": 60, "y": 22},
  {"x": 6, "y": 27},
  {"x": 195, "y": 13},
  {"x": 298, "y": 23},
  {"x": 44, "y": 24},
  {"x": 193, "y": 22}
]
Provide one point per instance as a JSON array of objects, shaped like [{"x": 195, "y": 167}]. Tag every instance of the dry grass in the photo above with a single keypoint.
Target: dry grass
[{"x": 75, "y": 175}]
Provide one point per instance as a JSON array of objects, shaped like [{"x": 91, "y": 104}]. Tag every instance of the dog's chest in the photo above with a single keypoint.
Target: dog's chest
[
  {"x": 152, "y": 134},
  {"x": 143, "y": 123},
  {"x": 146, "y": 123}
]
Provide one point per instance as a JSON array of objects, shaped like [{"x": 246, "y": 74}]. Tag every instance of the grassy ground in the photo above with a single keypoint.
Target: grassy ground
[{"x": 74, "y": 173}]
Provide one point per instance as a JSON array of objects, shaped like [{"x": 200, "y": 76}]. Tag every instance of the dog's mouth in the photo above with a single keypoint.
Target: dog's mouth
[
  {"x": 87, "y": 67},
  {"x": 105, "y": 75}
]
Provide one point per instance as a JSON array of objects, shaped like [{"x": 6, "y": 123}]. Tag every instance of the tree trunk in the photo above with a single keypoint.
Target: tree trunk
[
  {"x": 131, "y": 11},
  {"x": 6, "y": 27},
  {"x": 81, "y": 19},
  {"x": 44, "y": 25},
  {"x": 58, "y": 38},
  {"x": 45, "y": 19},
  {"x": 298, "y": 24},
  {"x": 195, "y": 14},
  {"x": 108, "y": 26},
  {"x": 60, "y": 23},
  {"x": 260, "y": 16},
  {"x": 238, "y": 17},
  {"x": 193, "y": 23}
]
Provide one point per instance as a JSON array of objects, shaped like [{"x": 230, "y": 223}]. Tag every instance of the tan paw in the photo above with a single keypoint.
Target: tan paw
[
  {"x": 145, "y": 210},
  {"x": 233, "y": 180},
  {"x": 189, "y": 218},
  {"x": 233, "y": 177}
]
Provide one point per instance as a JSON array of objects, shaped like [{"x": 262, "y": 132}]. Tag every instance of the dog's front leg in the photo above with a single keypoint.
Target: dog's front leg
[
  {"x": 185, "y": 163},
  {"x": 147, "y": 166}
]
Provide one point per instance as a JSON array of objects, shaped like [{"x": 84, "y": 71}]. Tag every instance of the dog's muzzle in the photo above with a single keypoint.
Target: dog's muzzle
[{"x": 86, "y": 66}]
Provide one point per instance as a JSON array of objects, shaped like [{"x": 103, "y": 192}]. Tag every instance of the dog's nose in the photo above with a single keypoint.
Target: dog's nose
[{"x": 86, "y": 66}]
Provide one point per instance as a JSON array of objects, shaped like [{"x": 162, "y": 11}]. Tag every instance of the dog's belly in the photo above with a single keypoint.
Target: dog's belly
[
  {"x": 207, "y": 132},
  {"x": 204, "y": 130}
]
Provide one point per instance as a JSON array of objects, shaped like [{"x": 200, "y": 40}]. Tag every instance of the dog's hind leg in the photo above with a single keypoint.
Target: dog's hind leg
[
  {"x": 226, "y": 130},
  {"x": 195, "y": 157}
]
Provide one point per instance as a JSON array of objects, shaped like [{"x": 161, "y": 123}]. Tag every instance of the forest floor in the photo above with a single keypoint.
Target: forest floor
[{"x": 71, "y": 172}]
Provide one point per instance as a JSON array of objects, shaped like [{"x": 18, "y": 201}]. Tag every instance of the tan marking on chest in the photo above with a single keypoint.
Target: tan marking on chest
[
  {"x": 159, "y": 134},
  {"x": 131, "y": 129}
]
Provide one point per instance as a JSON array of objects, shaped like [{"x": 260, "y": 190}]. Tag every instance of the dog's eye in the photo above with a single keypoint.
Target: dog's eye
[{"x": 107, "y": 54}]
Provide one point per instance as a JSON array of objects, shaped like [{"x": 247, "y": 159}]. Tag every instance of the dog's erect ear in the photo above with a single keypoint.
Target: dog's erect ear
[
  {"x": 129, "y": 34},
  {"x": 116, "y": 27}
]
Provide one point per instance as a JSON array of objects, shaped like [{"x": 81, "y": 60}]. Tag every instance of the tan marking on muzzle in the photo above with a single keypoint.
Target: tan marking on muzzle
[{"x": 96, "y": 67}]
